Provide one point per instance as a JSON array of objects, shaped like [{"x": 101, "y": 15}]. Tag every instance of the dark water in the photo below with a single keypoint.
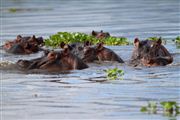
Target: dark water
[{"x": 86, "y": 94}]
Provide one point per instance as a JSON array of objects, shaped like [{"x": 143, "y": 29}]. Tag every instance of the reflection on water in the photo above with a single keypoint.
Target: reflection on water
[{"x": 86, "y": 94}]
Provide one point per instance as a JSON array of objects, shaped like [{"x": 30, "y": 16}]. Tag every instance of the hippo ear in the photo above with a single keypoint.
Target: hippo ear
[
  {"x": 19, "y": 37},
  {"x": 87, "y": 43},
  {"x": 136, "y": 42},
  {"x": 66, "y": 46},
  {"x": 62, "y": 44},
  {"x": 100, "y": 46},
  {"x": 159, "y": 41},
  {"x": 34, "y": 37},
  {"x": 94, "y": 33}
]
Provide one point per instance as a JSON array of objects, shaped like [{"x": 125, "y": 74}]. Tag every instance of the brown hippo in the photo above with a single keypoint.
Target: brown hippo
[
  {"x": 99, "y": 52},
  {"x": 21, "y": 48},
  {"x": 75, "y": 48},
  {"x": 100, "y": 35},
  {"x": 54, "y": 61},
  {"x": 150, "y": 53},
  {"x": 23, "y": 45}
]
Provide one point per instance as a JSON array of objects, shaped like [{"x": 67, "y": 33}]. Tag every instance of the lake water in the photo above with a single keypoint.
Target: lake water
[{"x": 86, "y": 94}]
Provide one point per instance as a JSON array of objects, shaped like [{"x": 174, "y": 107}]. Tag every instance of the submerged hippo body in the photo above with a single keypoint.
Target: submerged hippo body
[
  {"x": 99, "y": 52},
  {"x": 150, "y": 53},
  {"x": 23, "y": 45},
  {"x": 54, "y": 61},
  {"x": 100, "y": 35}
]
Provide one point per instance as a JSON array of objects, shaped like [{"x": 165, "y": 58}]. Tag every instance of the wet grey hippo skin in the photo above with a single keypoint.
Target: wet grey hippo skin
[
  {"x": 75, "y": 48},
  {"x": 23, "y": 45},
  {"x": 101, "y": 53},
  {"x": 54, "y": 61},
  {"x": 150, "y": 53},
  {"x": 100, "y": 35}
]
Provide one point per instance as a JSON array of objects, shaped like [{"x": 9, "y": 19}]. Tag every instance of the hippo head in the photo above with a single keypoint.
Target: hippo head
[
  {"x": 100, "y": 35},
  {"x": 157, "y": 55},
  {"x": 99, "y": 52},
  {"x": 71, "y": 61},
  {"x": 35, "y": 41},
  {"x": 89, "y": 52},
  {"x": 8, "y": 45},
  {"x": 19, "y": 39},
  {"x": 75, "y": 48},
  {"x": 64, "y": 46},
  {"x": 150, "y": 53},
  {"x": 140, "y": 48}
]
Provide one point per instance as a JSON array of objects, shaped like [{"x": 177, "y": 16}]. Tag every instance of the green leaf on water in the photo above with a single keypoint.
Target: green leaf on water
[
  {"x": 167, "y": 105},
  {"x": 114, "y": 74},
  {"x": 144, "y": 109},
  {"x": 72, "y": 37}
]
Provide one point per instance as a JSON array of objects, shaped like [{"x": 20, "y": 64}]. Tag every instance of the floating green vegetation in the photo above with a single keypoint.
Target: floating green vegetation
[
  {"x": 150, "y": 108},
  {"x": 156, "y": 39},
  {"x": 13, "y": 10},
  {"x": 114, "y": 74},
  {"x": 68, "y": 37},
  {"x": 169, "y": 108},
  {"x": 177, "y": 40},
  {"x": 153, "y": 38}
]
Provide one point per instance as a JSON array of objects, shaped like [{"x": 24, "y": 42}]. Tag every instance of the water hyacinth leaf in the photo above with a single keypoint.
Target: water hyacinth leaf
[
  {"x": 68, "y": 37},
  {"x": 168, "y": 105},
  {"x": 144, "y": 109},
  {"x": 114, "y": 74},
  {"x": 177, "y": 41},
  {"x": 153, "y": 38}
]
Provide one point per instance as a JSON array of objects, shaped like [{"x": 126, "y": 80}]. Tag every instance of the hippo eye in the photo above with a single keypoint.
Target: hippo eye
[
  {"x": 80, "y": 48},
  {"x": 73, "y": 45}
]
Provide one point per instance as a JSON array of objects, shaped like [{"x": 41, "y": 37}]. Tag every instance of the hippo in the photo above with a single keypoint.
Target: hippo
[
  {"x": 30, "y": 40},
  {"x": 21, "y": 48},
  {"x": 54, "y": 61},
  {"x": 100, "y": 35},
  {"x": 75, "y": 48},
  {"x": 101, "y": 53},
  {"x": 150, "y": 53},
  {"x": 23, "y": 45}
]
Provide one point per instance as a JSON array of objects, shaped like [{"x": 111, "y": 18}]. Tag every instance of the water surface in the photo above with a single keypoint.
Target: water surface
[{"x": 86, "y": 94}]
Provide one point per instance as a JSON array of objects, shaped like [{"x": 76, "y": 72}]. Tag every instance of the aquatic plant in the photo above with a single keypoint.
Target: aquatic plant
[
  {"x": 114, "y": 74},
  {"x": 150, "y": 108},
  {"x": 177, "y": 40},
  {"x": 13, "y": 10},
  {"x": 170, "y": 108},
  {"x": 157, "y": 38},
  {"x": 68, "y": 37},
  {"x": 153, "y": 38}
]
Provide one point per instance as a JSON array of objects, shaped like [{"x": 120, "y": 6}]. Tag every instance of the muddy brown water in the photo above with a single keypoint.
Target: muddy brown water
[{"x": 87, "y": 94}]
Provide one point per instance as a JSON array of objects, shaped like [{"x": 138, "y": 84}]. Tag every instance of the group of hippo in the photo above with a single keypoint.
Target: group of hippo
[{"x": 78, "y": 55}]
